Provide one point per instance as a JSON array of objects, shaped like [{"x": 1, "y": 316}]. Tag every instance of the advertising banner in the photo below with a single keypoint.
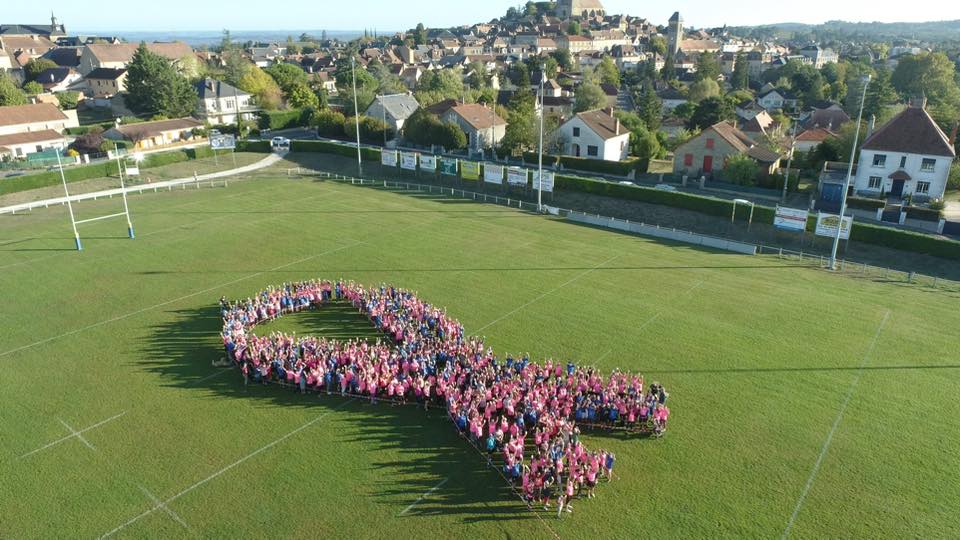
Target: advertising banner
[
  {"x": 388, "y": 158},
  {"x": 827, "y": 226},
  {"x": 223, "y": 142},
  {"x": 428, "y": 163},
  {"x": 470, "y": 170},
  {"x": 547, "y": 181},
  {"x": 408, "y": 161},
  {"x": 448, "y": 166},
  {"x": 790, "y": 219},
  {"x": 492, "y": 174},
  {"x": 517, "y": 176}
]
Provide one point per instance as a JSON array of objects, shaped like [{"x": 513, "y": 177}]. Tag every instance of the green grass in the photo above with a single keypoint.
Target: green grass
[{"x": 760, "y": 358}]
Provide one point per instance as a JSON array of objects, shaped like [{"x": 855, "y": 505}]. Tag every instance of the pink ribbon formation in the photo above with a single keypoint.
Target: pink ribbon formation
[{"x": 527, "y": 413}]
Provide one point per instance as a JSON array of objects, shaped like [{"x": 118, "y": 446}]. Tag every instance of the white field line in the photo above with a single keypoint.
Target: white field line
[
  {"x": 72, "y": 435},
  {"x": 164, "y": 507},
  {"x": 657, "y": 315},
  {"x": 833, "y": 429},
  {"x": 424, "y": 496},
  {"x": 175, "y": 300},
  {"x": 236, "y": 463},
  {"x": 544, "y": 295},
  {"x": 78, "y": 435}
]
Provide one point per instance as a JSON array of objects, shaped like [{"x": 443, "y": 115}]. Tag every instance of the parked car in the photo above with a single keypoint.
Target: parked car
[
  {"x": 280, "y": 143},
  {"x": 666, "y": 187}
]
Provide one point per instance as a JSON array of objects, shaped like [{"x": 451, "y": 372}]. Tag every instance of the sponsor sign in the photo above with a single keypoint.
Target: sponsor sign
[
  {"x": 517, "y": 176},
  {"x": 547, "y": 181},
  {"x": 133, "y": 171},
  {"x": 492, "y": 174},
  {"x": 408, "y": 161},
  {"x": 827, "y": 226},
  {"x": 428, "y": 163},
  {"x": 223, "y": 142},
  {"x": 448, "y": 166},
  {"x": 790, "y": 219},
  {"x": 470, "y": 170},
  {"x": 388, "y": 158}
]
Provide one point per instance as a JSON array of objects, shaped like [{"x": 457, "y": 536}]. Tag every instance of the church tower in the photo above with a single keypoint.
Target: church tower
[{"x": 675, "y": 34}]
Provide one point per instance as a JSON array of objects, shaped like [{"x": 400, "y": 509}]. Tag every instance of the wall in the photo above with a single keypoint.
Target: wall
[
  {"x": 666, "y": 234},
  {"x": 937, "y": 178},
  {"x": 610, "y": 150},
  {"x": 698, "y": 147}
]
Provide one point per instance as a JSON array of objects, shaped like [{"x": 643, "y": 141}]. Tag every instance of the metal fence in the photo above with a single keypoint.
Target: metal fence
[{"x": 813, "y": 260}]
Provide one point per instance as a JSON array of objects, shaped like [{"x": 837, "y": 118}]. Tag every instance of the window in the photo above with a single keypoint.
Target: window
[
  {"x": 688, "y": 160},
  {"x": 923, "y": 187},
  {"x": 875, "y": 182},
  {"x": 593, "y": 151},
  {"x": 230, "y": 104},
  {"x": 928, "y": 165},
  {"x": 903, "y": 162},
  {"x": 879, "y": 160},
  {"x": 709, "y": 144},
  {"x": 576, "y": 132}
]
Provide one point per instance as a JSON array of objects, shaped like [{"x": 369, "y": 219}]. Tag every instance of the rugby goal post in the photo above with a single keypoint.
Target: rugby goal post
[{"x": 123, "y": 192}]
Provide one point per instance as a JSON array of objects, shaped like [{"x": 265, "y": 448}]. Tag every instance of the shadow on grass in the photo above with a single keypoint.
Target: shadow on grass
[{"x": 180, "y": 353}]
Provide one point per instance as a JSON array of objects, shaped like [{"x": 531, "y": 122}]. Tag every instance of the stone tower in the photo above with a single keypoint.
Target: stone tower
[
  {"x": 675, "y": 34},
  {"x": 579, "y": 9}
]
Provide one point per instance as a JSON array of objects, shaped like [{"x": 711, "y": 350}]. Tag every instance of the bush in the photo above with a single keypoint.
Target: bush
[
  {"x": 284, "y": 119},
  {"x": 262, "y": 147},
  {"x": 329, "y": 123},
  {"x": 741, "y": 170},
  {"x": 861, "y": 203},
  {"x": 372, "y": 130},
  {"x": 924, "y": 214}
]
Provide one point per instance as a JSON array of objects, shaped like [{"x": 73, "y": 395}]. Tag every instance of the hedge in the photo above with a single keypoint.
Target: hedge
[
  {"x": 262, "y": 147},
  {"x": 50, "y": 178},
  {"x": 324, "y": 147},
  {"x": 284, "y": 119},
  {"x": 923, "y": 214},
  {"x": 612, "y": 168},
  {"x": 861, "y": 203},
  {"x": 906, "y": 241}
]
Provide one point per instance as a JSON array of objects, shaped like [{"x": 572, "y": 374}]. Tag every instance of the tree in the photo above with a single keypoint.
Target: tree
[
  {"x": 262, "y": 87},
  {"x": 522, "y": 131},
  {"x": 658, "y": 45},
  {"x": 68, "y": 100},
  {"x": 564, "y": 58},
  {"x": 740, "y": 169},
  {"x": 367, "y": 85},
  {"x": 226, "y": 42},
  {"x": 741, "y": 72},
  {"x": 300, "y": 97},
  {"x": 436, "y": 86},
  {"x": 420, "y": 35},
  {"x": 287, "y": 76},
  {"x": 425, "y": 129},
  {"x": 669, "y": 71},
  {"x": 235, "y": 66},
  {"x": 703, "y": 89},
  {"x": 708, "y": 67},
  {"x": 953, "y": 182},
  {"x": 10, "y": 94},
  {"x": 329, "y": 123},
  {"x": 35, "y": 66},
  {"x": 933, "y": 76},
  {"x": 588, "y": 97},
  {"x": 608, "y": 72},
  {"x": 574, "y": 28},
  {"x": 650, "y": 107},
  {"x": 155, "y": 87},
  {"x": 372, "y": 130},
  {"x": 32, "y": 88},
  {"x": 709, "y": 112},
  {"x": 88, "y": 143},
  {"x": 880, "y": 94},
  {"x": 478, "y": 75},
  {"x": 530, "y": 10}
]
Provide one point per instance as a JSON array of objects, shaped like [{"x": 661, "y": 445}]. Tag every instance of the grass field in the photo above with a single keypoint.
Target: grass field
[{"x": 804, "y": 404}]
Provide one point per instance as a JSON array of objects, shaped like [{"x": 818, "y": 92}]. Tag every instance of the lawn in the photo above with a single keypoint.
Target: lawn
[{"x": 803, "y": 402}]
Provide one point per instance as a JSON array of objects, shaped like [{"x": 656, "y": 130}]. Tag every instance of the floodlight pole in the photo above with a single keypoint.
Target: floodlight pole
[
  {"x": 793, "y": 146},
  {"x": 73, "y": 221},
  {"x": 123, "y": 192},
  {"x": 356, "y": 113},
  {"x": 846, "y": 184},
  {"x": 543, "y": 70}
]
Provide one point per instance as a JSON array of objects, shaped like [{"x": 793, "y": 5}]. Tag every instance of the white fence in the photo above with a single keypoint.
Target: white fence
[{"x": 664, "y": 233}]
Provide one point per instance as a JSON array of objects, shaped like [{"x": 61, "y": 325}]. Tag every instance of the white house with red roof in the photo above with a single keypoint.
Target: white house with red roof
[{"x": 909, "y": 155}]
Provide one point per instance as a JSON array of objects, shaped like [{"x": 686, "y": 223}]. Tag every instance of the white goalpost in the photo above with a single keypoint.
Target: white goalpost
[{"x": 73, "y": 219}]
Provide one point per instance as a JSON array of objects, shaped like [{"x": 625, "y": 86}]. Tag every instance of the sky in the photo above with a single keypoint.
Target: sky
[{"x": 386, "y": 15}]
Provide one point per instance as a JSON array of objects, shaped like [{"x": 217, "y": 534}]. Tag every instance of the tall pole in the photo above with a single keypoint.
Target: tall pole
[
  {"x": 383, "y": 109},
  {"x": 846, "y": 184},
  {"x": 786, "y": 177},
  {"x": 356, "y": 113},
  {"x": 123, "y": 192},
  {"x": 73, "y": 220},
  {"x": 540, "y": 157}
]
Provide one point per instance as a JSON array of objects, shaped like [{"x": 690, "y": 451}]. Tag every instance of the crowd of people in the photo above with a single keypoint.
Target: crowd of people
[{"x": 526, "y": 413}]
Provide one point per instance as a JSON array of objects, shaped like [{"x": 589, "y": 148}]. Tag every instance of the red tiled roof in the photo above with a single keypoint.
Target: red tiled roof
[{"x": 911, "y": 132}]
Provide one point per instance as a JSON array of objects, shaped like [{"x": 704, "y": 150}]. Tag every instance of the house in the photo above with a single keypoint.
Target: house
[
  {"x": 671, "y": 98},
  {"x": 595, "y": 135},
  {"x": 393, "y": 109},
  {"x": 119, "y": 55},
  {"x": 777, "y": 99},
  {"x": 58, "y": 79},
  {"x": 909, "y": 155},
  {"x": 52, "y": 30},
  {"x": 39, "y": 117},
  {"x": 820, "y": 57},
  {"x": 221, "y": 103},
  {"x": 811, "y": 138},
  {"x": 707, "y": 153},
  {"x": 484, "y": 129},
  {"x": 327, "y": 81},
  {"x": 153, "y": 134},
  {"x": 575, "y": 44},
  {"x": 761, "y": 125},
  {"x": 579, "y": 9},
  {"x": 104, "y": 83},
  {"x": 830, "y": 116},
  {"x": 268, "y": 55},
  {"x": 748, "y": 109},
  {"x": 561, "y": 106},
  {"x": 20, "y": 145}
]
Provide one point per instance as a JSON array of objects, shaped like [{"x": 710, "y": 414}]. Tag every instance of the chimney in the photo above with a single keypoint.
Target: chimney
[
  {"x": 617, "y": 130},
  {"x": 872, "y": 126}
]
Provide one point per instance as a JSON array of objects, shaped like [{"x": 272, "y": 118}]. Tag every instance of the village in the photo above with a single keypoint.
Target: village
[{"x": 621, "y": 98}]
